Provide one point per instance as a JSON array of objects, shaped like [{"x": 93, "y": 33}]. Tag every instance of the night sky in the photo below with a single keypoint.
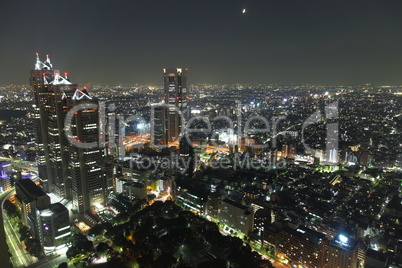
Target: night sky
[{"x": 281, "y": 41}]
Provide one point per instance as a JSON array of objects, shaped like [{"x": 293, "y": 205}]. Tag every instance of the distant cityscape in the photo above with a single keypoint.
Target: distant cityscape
[{"x": 199, "y": 175}]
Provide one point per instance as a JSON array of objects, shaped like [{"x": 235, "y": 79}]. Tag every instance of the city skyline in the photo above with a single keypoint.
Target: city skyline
[
  {"x": 247, "y": 133},
  {"x": 308, "y": 177},
  {"x": 272, "y": 42}
]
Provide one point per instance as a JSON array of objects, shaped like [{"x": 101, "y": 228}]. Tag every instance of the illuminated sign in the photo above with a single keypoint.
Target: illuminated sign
[{"x": 343, "y": 240}]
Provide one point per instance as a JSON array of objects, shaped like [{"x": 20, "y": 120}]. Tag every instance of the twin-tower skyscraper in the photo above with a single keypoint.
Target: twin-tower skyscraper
[{"x": 81, "y": 175}]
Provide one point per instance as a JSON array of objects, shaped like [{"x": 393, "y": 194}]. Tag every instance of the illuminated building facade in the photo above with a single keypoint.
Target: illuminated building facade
[
  {"x": 192, "y": 199},
  {"x": 53, "y": 226},
  {"x": 303, "y": 246},
  {"x": 90, "y": 181},
  {"x": 134, "y": 190},
  {"x": 51, "y": 91},
  {"x": 66, "y": 169},
  {"x": 159, "y": 125},
  {"x": 5, "y": 174},
  {"x": 213, "y": 204},
  {"x": 289, "y": 150},
  {"x": 262, "y": 219},
  {"x": 31, "y": 197},
  {"x": 235, "y": 215},
  {"x": 176, "y": 96},
  {"x": 342, "y": 252}
]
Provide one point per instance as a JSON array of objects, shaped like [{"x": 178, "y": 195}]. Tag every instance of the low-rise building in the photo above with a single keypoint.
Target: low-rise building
[
  {"x": 31, "y": 197},
  {"x": 134, "y": 190},
  {"x": 237, "y": 216},
  {"x": 53, "y": 226}
]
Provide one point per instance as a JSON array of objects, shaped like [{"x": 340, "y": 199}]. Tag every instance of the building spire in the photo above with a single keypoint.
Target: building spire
[
  {"x": 47, "y": 65},
  {"x": 38, "y": 63},
  {"x": 48, "y": 61}
]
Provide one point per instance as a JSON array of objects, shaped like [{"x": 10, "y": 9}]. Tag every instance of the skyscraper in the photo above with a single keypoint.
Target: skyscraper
[
  {"x": 167, "y": 118},
  {"x": 67, "y": 169},
  {"x": 51, "y": 92},
  {"x": 89, "y": 180},
  {"x": 176, "y": 96}
]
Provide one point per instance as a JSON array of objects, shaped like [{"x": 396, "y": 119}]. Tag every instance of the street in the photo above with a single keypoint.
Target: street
[{"x": 4, "y": 256}]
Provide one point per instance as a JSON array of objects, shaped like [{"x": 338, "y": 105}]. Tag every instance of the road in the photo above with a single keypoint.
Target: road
[
  {"x": 275, "y": 263},
  {"x": 4, "y": 256},
  {"x": 142, "y": 139},
  {"x": 136, "y": 141},
  {"x": 21, "y": 164},
  {"x": 20, "y": 258},
  {"x": 53, "y": 260}
]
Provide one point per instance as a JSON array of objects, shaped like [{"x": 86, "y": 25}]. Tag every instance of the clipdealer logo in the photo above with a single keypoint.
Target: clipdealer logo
[{"x": 107, "y": 127}]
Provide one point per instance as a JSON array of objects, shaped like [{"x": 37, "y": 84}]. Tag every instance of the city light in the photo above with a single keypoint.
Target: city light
[
  {"x": 270, "y": 152},
  {"x": 343, "y": 239}
]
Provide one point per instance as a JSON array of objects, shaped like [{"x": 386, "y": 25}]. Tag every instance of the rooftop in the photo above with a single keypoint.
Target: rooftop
[
  {"x": 344, "y": 242},
  {"x": 30, "y": 188},
  {"x": 305, "y": 232}
]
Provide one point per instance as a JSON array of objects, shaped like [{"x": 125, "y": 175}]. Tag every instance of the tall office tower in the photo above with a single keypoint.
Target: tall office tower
[
  {"x": 90, "y": 181},
  {"x": 51, "y": 92},
  {"x": 66, "y": 169},
  {"x": 176, "y": 95}
]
